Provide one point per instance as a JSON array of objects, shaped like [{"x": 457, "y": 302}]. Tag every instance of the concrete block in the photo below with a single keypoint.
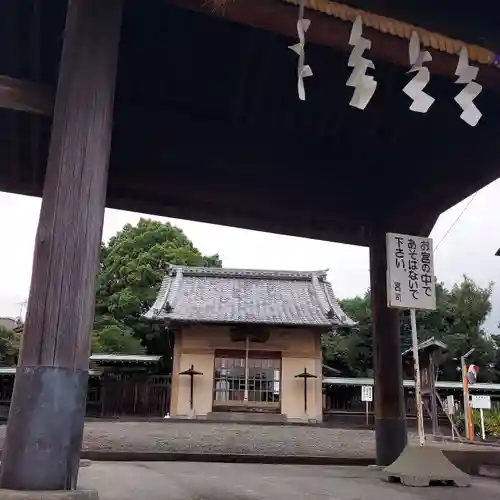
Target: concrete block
[
  {"x": 49, "y": 495},
  {"x": 489, "y": 471},
  {"x": 424, "y": 466}
]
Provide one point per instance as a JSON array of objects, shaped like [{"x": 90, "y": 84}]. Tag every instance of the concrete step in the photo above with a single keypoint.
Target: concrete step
[
  {"x": 236, "y": 416},
  {"x": 489, "y": 471}
]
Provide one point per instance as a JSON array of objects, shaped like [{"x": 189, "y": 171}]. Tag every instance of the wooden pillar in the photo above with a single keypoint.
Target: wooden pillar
[
  {"x": 44, "y": 432},
  {"x": 390, "y": 418}
]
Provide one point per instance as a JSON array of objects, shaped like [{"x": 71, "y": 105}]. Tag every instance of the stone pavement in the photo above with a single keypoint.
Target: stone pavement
[
  {"x": 209, "y": 481},
  {"x": 228, "y": 438}
]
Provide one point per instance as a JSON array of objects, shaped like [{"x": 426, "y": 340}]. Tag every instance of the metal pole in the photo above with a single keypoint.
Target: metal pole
[
  {"x": 247, "y": 346},
  {"x": 191, "y": 391},
  {"x": 465, "y": 386},
  {"x": 465, "y": 389},
  {"x": 305, "y": 394},
  {"x": 434, "y": 408},
  {"x": 418, "y": 391},
  {"x": 482, "y": 424},
  {"x": 471, "y": 423}
]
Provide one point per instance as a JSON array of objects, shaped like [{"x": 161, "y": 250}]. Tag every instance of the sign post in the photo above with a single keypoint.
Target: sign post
[
  {"x": 367, "y": 397},
  {"x": 481, "y": 403},
  {"x": 450, "y": 410},
  {"x": 411, "y": 285},
  {"x": 418, "y": 386}
]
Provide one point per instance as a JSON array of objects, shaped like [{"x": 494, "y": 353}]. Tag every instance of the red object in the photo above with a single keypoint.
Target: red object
[{"x": 472, "y": 373}]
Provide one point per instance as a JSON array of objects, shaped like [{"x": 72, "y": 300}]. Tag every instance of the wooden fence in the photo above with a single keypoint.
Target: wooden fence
[{"x": 117, "y": 395}]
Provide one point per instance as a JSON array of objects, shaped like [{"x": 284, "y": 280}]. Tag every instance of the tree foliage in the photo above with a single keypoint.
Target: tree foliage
[
  {"x": 350, "y": 351},
  {"x": 10, "y": 342},
  {"x": 133, "y": 264},
  {"x": 457, "y": 321}
]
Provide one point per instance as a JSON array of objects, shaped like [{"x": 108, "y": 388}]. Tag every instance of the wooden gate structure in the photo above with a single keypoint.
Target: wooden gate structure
[
  {"x": 205, "y": 124},
  {"x": 147, "y": 396}
]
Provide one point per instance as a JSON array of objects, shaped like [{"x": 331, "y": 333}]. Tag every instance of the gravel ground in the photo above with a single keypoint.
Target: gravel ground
[{"x": 228, "y": 438}]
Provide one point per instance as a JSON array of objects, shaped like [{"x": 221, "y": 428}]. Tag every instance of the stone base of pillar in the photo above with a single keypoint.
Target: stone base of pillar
[
  {"x": 49, "y": 495},
  {"x": 44, "y": 432},
  {"x": 421, "y": 466}
]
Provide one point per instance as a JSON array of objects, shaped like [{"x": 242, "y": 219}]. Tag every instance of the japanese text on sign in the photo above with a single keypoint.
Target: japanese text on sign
[
  {"x": 481, "y": 402},
  {"x": 410, "y": 269},
  {"x": 367, "y": 393}
]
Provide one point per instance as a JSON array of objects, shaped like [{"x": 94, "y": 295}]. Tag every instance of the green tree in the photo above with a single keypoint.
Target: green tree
[
  {"x": 350, "y": 350},
  {"x": 496, "y": 358},
  {"x": 114, "y": 337},
  {"x": 133, "y": 264},
  {"x": 10, "y": 343},
  {"x": 457, "y": 322}
]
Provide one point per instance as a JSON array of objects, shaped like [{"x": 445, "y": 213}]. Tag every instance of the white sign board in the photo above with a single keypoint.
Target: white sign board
[
  {"x": 450, "y": 405},
  {"x": 481, "y": 402},
  {"x": 367, "y": 393},
  {"x": 410, "y": 272}
]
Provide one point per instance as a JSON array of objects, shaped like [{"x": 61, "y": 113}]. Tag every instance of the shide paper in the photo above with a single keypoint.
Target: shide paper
[
  {"x": 415, "y": 88},
  {"x": 465, "y": 99},
  {"x": 303, "y": 70},
  {"x": 364, "y": 85}
]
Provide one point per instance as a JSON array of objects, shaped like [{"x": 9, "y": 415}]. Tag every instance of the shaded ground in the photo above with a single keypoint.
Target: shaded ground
[
  {"x": 190, "y": 481},
  {"x": 227, "y": 438}
]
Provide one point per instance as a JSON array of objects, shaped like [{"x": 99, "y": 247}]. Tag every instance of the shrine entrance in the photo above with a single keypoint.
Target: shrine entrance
[{"x": 247, "y": 381}]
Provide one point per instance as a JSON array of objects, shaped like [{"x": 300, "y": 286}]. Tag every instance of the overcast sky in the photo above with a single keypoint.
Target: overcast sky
[{"x": 469, "y": 248}]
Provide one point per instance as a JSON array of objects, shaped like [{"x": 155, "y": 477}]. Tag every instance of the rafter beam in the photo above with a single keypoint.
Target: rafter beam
[
  {"x": 21, "y": 95},
  {"x": 281, "y": 18}
]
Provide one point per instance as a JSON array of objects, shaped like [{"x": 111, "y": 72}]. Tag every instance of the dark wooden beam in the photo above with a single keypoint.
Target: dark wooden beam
[
  {"x": 272, "y": 15},
  {"x": 183, "y": 203},
  {"x": 390, "y": 419},
  {"x": 21, "y": 95},
  {"x": 51, "y": 380}
]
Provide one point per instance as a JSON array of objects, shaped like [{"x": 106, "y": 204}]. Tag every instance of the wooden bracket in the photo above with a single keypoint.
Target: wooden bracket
[{"x": 22, "y": 95}]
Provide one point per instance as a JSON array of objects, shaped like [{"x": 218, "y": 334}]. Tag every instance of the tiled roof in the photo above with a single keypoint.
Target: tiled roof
[
  {"x": 8, "y": 323},
  {"x": 215, "y": 295}
]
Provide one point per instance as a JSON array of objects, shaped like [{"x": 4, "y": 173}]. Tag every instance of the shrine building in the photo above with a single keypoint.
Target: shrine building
[{"x": 247, "y": 343}]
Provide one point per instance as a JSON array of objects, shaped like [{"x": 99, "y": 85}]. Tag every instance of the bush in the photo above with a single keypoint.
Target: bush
[{"x": 491, "y": 422}]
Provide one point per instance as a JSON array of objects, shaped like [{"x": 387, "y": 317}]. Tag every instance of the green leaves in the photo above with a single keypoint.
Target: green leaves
[
  {"x": 116, "y": 339},
  {"x": 457, "y": 321},
  {"x": 10, "y": 343},
  {"x": 132, "y": 268}
]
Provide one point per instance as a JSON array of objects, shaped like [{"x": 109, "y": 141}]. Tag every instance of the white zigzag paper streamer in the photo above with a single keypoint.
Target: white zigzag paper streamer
[
  {"x": 303, "y": 70},
  {"x": 465, "y": 99},
  {"x": 415, "y": 88},
  {"x": 364, "y": 85}
]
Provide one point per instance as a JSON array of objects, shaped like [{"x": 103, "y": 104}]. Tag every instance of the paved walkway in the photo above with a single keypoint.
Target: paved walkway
[
  {"x": 227, "y": 438},
  {"x": 206, "y": 481}
]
